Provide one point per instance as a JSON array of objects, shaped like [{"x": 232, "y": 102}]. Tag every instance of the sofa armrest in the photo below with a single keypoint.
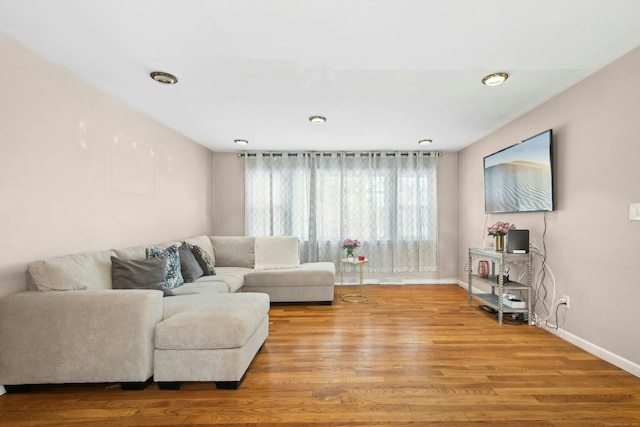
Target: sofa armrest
[{"x": 78, "y": 336}]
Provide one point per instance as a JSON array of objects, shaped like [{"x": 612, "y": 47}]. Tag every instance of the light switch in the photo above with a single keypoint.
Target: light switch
[{"x": 634, "y": 211}]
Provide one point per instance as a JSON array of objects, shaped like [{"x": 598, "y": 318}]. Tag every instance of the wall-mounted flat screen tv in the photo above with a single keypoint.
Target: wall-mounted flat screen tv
[{"x": 520, "y": 178}]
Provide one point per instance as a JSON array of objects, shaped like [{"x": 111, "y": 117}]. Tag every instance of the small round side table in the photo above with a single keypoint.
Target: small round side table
[{"x": 361, "y": 297}]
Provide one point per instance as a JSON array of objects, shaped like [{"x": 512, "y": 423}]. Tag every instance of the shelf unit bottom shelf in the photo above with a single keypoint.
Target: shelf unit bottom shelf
[{"x": 492, "y": 301}]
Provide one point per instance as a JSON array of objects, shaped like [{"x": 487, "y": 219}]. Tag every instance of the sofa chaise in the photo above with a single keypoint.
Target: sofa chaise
[{"x": 72, "y": 326}]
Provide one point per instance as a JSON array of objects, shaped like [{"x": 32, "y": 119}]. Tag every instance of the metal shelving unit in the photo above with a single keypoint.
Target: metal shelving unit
[{"x": 500, "y": 260}]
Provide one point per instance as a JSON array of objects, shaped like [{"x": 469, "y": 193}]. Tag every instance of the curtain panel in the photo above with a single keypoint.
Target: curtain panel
[{"x": 387, "y": 201}]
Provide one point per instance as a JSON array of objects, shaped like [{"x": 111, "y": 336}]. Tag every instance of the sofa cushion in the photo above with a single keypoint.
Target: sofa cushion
[
  {"x": 204, "y": 260},
  {"x": 140, "y": 274},
  {"x": 189, "y": 266},
  {"x": 234, "y": 251},
  {"x": 202, "y": 287},
  {"x": 140, "y": 252},
  {"x": 91, "y": 270},
  {"x": 198, "y": 322},
  {"x": 276, "y": 252},
  {"x": 173, "y": 275},
  {"x": 233, "y": 277},
  {"x": 205, "y": 243},
  {"x": 308, "y": 274}
]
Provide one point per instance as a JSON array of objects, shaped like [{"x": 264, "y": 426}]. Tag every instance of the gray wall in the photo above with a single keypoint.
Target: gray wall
[
  {"x": 592, "y": 247},
  {"x": 228, "y": 200}
]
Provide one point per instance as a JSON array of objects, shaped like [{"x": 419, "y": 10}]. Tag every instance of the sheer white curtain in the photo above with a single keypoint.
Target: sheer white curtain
[{"x": 388, "y": 201}]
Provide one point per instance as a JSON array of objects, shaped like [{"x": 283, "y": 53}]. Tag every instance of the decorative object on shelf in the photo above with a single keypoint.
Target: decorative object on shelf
[
  {"x": 498, "y": 230},
  {"x": 350, "y": 245},
  {"x": 483, "y": 268},
  {"x": 505, "y": 276}
]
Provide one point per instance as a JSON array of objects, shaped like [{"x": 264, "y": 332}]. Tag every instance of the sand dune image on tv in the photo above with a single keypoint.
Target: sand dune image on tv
[{"x": 519, "y": 178}]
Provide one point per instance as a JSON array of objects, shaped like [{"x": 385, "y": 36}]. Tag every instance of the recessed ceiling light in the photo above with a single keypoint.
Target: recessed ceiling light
[
  {"x": 495, "y": 79},
  {"x": 425, "y": 141},
  {"x": 317, "y": 120},
  {"x": 164, "y": 78},
  {"x": 241, "y": 141}
]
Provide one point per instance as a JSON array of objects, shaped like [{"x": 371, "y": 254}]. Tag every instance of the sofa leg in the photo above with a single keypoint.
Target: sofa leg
[
  {"x": 165, "y": 385},
  {"x": 19, "y": 388},
  {"x": 228, "y": 385},
  {"x": 135, "y": 385}
]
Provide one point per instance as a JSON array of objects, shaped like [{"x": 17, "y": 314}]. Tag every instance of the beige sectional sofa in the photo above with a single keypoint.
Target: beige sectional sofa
[{"x": 71, "y": 326}]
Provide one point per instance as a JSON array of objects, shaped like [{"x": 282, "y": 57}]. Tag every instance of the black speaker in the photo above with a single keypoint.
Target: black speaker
[{"x": 517, "y": 241}]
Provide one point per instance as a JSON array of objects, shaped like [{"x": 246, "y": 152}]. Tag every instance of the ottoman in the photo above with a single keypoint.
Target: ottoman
[{"x": 209, "y": 337}]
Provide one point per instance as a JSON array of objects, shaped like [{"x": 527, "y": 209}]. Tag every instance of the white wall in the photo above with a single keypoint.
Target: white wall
[
  {"x": 80, "y": 170},
  {"x": 592, "y": 247}
]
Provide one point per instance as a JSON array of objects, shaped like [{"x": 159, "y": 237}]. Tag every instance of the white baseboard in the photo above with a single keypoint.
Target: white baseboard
[
  {"x": 465, "y": 286},
  {"x": 602, "y": 353},
  {"x": 397, "y": 281}
]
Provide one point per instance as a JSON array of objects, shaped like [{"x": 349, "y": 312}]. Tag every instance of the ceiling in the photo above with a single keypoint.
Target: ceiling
[{"x": 385, "y": 73}]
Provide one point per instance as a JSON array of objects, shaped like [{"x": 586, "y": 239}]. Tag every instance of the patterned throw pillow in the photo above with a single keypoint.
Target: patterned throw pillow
[
  {"x": 173, "y": 276},
  {"x": 203, "y": 259}
]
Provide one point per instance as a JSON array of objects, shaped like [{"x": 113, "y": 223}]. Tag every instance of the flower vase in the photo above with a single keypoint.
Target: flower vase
[
  {"x": 350, "y": 254},
  {"x": 499, "y": 243}
]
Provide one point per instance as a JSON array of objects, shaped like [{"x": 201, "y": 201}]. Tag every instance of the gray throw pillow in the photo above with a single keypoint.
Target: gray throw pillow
[
  {"x": 189, "y": 265},
  {"x": 145, "y": 274},
  {"x": 173, "y": 275},
  {"x": 203, "y": 259}
]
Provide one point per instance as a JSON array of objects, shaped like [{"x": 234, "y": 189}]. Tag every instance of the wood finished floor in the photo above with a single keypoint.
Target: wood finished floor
[{"x": 411, "y": 355}]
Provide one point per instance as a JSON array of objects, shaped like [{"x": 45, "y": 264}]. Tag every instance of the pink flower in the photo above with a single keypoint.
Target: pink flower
[
  {"x": 350, "y": 244},
  {"x": 500, "y": 228}
]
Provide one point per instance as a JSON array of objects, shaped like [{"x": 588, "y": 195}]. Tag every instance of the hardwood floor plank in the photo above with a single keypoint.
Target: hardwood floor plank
[{"x": 411, "y": 355}]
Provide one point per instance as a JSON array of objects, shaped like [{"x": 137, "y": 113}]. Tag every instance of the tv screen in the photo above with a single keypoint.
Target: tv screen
[{"x": 520, "y": 178}]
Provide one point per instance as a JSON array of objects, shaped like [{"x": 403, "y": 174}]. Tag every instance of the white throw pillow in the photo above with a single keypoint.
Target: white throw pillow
[{"x": 276, "y": 252}]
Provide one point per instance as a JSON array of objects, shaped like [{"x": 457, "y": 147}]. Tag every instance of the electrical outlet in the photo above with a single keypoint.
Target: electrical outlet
[
  {"x": 566, "y": 301},
  {"x": 634, "y": 211}
]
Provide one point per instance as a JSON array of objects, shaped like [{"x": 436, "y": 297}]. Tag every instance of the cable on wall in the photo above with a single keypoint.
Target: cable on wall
[{"x": 540, "y": 288}]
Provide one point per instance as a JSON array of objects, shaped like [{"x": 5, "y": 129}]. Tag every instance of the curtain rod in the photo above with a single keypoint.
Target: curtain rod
[{"x": 349, "y": 153}]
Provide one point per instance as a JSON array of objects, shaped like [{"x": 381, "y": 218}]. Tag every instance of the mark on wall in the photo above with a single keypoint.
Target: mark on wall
[
  {"x": 132, "y": 168},
  {"x": 82, "y": 134}
]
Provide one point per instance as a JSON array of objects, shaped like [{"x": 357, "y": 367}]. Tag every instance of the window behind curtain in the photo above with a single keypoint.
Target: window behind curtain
[{"x": 385, "y": 200}]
